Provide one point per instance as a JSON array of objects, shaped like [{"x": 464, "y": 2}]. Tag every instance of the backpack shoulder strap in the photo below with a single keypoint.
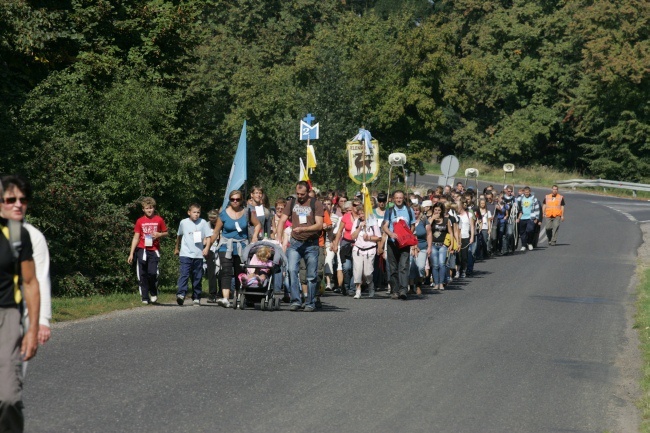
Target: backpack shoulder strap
[{"x": 14, "y": 237}]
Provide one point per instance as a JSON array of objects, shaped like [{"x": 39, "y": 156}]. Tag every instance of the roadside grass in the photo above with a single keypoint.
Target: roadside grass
[
  {"x": 534, "y": 175},
  {"x": 643, "y": 326},
  {"x": 65, "y": 309}
]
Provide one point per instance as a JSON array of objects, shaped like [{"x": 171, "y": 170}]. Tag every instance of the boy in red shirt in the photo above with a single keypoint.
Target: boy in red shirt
[{"x": 146, "y": 247}]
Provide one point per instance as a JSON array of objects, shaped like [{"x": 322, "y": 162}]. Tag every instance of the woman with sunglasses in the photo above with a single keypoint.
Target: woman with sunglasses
[
  {"x": 17, "y": 192},
  {"x": 231, "y": 230}
]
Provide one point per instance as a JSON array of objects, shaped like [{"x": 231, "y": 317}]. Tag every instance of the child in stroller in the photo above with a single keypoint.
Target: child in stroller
[
  {"x": 262, "y": 282},
  {"x": 255, "y": 277}
]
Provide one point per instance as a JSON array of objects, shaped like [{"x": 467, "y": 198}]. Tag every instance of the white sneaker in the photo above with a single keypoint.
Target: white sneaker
[
  {"x": 224, "y": 302},
  {"x": 154, "y": 299},
  {"x": 530, "y": 247},
  {"x": 145, "y": 302},
  {"x": 196, "y": 302},
  {"x": 523, "y": 249},
  {"x": 358, "y": 295}
]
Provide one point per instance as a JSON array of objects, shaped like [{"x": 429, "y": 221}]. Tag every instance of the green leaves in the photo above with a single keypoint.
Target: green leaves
[{"x": 103, "y": 101}]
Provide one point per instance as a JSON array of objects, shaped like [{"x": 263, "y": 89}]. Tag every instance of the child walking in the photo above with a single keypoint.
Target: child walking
[
  {"x": 145, "y": 246},
  {"x": 192, "y": 243}
]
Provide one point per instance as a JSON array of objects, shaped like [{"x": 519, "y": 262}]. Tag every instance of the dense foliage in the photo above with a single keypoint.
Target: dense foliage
[{"x": 104, "y": 101}]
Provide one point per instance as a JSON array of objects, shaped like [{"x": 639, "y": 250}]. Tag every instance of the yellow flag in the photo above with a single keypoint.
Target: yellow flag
[
  {"x": 303, "y": 173},
  {"x": 311, "y": 158}
]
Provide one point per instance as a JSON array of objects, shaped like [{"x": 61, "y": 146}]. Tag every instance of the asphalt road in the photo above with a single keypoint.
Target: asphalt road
[{"x": 533, "y": 343}]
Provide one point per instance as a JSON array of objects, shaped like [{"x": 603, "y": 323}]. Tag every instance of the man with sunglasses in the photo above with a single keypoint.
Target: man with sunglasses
[
  {"x": 15, "y": 347},
  {"x": 307, "y": 224}
]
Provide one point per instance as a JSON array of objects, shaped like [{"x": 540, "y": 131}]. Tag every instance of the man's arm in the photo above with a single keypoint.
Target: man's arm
[
  {"x": 279, "y": 229},
  {"x": 33, "y": 301},
  {"x": 387, "y": 231}
]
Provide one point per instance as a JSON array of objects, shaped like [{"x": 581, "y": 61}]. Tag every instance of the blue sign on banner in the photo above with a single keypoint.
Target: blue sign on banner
[{"x": 307, "y": 131}]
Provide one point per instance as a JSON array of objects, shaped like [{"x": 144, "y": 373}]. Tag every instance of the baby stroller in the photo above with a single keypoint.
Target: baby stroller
[{"x": 269, "y": 293}]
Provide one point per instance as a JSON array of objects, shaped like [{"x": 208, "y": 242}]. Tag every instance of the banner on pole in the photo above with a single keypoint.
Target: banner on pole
[{"x": 362, "y": 168}]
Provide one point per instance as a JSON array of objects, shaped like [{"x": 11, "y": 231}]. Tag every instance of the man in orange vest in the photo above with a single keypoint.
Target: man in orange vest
[{"x": 553, "y": 209}]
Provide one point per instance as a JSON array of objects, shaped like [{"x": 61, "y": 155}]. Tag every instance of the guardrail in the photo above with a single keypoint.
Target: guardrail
[{"x": 604, "y": 184}]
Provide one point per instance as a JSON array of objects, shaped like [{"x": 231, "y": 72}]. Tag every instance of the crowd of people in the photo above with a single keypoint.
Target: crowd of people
[
  {"x": 329, "y": 241},
  {"x": 332, "y": 243}
]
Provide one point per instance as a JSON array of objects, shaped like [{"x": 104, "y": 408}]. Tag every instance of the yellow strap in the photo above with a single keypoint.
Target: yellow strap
[{"x": 18, "y": 295}]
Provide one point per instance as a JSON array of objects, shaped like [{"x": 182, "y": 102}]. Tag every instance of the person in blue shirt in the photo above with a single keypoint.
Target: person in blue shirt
[
  {"x": 398, "y": 258},
  {"x": 231, "y": 230},
  {"x": 192, "y": 243},
  {"x": 527, "y": 218}
]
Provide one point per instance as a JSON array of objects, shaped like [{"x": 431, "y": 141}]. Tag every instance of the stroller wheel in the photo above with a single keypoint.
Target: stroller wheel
[
  {"x": 262, "y": 304},
  {"x": 241, "y": 301}
]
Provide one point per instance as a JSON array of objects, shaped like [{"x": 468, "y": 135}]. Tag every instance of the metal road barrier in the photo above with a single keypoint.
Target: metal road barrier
[{"x": 604, "y": 184}]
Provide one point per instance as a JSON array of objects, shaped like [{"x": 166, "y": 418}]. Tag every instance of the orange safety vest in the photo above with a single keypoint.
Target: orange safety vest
[{"x": 553, "y": 206}]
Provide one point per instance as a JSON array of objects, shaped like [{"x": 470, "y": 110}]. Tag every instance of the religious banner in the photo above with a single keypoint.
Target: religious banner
[{"x": 363, "y": 166}]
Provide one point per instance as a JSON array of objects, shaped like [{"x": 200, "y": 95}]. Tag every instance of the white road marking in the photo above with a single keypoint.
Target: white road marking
[{"x": 629, "y": 216}]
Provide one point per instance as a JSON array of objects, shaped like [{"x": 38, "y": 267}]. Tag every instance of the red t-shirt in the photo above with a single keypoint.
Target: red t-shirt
[
  {"x": 348, "y": 225},
  {"x": 148, "y": 226}
]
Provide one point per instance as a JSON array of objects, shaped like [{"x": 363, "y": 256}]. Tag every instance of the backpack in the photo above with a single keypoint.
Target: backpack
[
  {"x": 394, "y": 212},
  {"x": 405, "y": 237},
  {"x": 15, "y": 242}
]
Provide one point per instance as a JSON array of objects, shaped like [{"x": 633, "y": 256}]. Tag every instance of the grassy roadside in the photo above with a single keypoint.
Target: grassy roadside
[
  {"x": 64, "y": 309},
  {"x": 643, "y": 325},
  {"x": 535, "y": 175}
]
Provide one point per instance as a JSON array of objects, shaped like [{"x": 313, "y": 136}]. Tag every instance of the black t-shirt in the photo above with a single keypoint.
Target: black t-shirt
[
  {"x": 8, "y": 265},
  {"x": 439, "y": 231}
]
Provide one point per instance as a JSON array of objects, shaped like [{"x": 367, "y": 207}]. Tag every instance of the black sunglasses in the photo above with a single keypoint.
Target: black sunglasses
[
  {"x": 235, "y": 199},
  {"x": 12, "y": 200}
]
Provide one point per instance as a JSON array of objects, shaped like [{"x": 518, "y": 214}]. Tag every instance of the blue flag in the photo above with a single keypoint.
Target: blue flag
[{"x": 238, "y": 172}]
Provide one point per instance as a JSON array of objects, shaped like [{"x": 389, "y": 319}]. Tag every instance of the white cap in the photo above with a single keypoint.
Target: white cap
[{"x": 427, "y": 203}]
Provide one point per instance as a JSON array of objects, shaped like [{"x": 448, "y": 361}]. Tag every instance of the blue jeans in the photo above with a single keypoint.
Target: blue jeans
[
  {"x": 470, "y": 256},
  {"x": 508, "y": 243},
  {"x": 194, "y": 268},
  {"x": 439, "y": 264},
  {"x": 309, "y": 251},
  {"x": 526, "y": 230},
  {"x": 417, "y": 265},
  {"x": 347, "y": 275}
]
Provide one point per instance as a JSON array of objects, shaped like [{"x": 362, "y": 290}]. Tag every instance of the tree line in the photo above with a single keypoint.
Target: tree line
[{"x": 105, "y": 101}]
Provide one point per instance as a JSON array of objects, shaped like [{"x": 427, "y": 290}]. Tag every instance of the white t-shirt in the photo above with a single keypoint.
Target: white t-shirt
[
  {"x": 485, "y": 219},
  {"x": 41, "y": 256},
  {"x": 465, "y": 224}
]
